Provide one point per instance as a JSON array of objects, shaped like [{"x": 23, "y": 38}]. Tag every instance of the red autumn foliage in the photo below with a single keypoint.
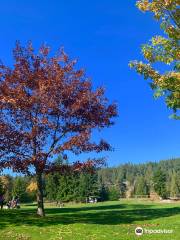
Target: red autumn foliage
[{"x": 48, "y": 107}]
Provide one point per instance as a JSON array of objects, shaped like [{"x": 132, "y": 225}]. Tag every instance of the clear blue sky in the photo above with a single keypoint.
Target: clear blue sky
[{"x": 104, "y": 36}]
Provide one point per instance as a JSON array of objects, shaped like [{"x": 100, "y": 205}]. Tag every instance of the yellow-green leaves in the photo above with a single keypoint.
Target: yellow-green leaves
[{"x": 164, "y": 50}]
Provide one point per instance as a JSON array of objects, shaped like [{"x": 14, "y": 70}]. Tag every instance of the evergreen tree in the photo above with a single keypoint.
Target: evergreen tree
[
  {"x": 103, "y": 192},
  {"x": 122, "y": 188},
  {"x": 53, "y": 181},
  {"x": 19, "y": 189},
  {"x": 141, "y": 187},
  {"x": 160, "y": 183},
  {"x": 175, "y": 187},
  {"x": 65, "y": 189},
  {"x": 113, "y": 194},
  {"x": 51, "y": 186}
]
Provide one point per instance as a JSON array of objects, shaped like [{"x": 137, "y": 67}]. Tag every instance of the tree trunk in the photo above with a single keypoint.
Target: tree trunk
[{"x": 40, "y": 203}]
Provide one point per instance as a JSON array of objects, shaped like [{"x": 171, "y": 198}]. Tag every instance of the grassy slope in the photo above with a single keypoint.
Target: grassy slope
[{"x": 101, "y": 221}]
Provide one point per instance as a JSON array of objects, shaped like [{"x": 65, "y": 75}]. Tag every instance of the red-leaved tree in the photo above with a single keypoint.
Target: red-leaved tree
[{"x": 50, "y": 108}]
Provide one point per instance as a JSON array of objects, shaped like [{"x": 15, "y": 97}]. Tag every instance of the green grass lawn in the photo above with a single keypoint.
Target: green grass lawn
[{"x": 102, "y": 221}]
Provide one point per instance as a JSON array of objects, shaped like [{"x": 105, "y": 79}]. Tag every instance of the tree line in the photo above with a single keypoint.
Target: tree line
[
  {"x": 124, "y": 181},
  {"x": 141, "y": 180}
]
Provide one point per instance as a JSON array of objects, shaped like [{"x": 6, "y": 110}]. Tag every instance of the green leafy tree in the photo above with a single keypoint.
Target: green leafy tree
[{"x": 164, "y": 49}]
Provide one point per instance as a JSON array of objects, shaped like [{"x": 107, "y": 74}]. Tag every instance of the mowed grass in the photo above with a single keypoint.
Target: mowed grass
[{"x": 102, "y": 221}]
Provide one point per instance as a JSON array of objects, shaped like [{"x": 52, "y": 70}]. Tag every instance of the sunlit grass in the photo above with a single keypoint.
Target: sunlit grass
[{"x": 101, "y": 221}]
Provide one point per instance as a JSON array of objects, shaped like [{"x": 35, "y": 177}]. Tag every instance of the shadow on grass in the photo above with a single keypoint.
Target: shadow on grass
[
  {"x": 105, "y": 215},
  {"x": 31, "y": 205}
]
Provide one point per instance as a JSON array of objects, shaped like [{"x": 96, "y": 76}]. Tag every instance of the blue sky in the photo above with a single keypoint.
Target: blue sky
[{"x": 104, "y": 36}]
